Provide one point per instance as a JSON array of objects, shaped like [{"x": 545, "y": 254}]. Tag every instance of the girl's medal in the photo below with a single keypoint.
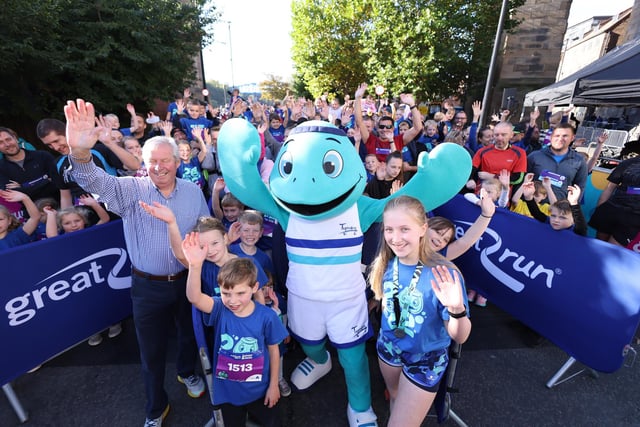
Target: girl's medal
[{"x": 399, "y": 333}]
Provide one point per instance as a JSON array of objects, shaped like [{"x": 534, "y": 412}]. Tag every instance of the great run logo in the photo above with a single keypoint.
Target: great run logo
[
  {"x": 81, "y": 275},
  {"x": 506, "y": 265}
]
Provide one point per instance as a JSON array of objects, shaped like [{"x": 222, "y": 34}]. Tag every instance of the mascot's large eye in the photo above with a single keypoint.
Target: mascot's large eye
[
  {"x": 285, "y": 166},
  {"x": 332, "y": 163}
]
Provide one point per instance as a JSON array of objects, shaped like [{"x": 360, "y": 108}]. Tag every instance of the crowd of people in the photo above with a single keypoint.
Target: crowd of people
[{"x": 229, "y": 264}]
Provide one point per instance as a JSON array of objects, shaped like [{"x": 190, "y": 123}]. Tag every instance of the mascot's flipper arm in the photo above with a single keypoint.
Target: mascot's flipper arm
[
  {"x": 440, "y": 176},
  {"x": 239, "y": 152}
]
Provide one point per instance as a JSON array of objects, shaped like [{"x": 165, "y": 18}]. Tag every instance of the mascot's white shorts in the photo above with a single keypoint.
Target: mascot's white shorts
[{"x": 346, "y": 322}]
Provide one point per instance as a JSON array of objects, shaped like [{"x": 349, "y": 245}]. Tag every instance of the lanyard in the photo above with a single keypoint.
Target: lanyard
[{"x": 399, "y": 331}]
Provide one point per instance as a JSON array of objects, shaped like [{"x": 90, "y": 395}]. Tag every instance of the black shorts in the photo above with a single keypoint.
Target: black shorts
[{"x": 622, "y": 223}]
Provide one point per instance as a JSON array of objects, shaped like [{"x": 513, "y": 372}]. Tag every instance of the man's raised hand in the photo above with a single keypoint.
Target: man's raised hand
[{"x": 82, "y": 133}]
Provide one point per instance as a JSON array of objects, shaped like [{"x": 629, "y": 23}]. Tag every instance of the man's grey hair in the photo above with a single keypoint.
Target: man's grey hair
[{"x": 152, "y": 143}]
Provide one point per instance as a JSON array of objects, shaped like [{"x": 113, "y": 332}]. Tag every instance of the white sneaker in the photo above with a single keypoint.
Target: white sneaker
[
  {"x": 157, "y": 422},
  {"x": 115, "y": 330},
  {"x": 283, "y": 386},
  {"x": 308, "y": 372},
  {"x": 367, "y": 418},
  {"x": 95, "y": 340},
  {"x": 194, "y": 384}
]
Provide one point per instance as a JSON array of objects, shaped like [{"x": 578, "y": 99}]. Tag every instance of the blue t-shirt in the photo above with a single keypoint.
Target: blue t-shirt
[
  {"x": 423, "y": 318},
  {"x": 200, "y": 124},
  {"x": 209, "y": 277},
  {"x": 14, "y": 238},
  {"x": 260, "y": 256},
  {"x": 191, "y": 171},
  {"x": 173, "y": 109},
  {"x": 277, "y": 133},
  {"x": 241, "y": 362}
]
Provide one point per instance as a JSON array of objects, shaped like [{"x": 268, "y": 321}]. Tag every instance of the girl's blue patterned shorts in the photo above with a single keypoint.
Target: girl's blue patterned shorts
[{"x": 424, "y": 370}]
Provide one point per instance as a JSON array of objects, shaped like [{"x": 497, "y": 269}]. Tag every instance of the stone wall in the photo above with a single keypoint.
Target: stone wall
[
  {"x": 530, "y": 56},
  {"x": 633, "y": 28}
]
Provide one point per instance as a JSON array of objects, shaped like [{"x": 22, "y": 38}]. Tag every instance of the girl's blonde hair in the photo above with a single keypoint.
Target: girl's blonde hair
[
  {"x": 13, "y": 221},
  {"x": 72, "y": 210},
  {"x": 428, "y": 256}
]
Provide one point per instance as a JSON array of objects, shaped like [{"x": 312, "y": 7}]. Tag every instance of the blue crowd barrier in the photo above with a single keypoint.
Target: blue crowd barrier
[
  {"x": 580, "y": 293},
  {"x": 58, "y": 292}
]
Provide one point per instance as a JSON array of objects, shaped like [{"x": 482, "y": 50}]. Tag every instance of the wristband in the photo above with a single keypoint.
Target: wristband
[
  {"x": 412, "y": 107},
  {"x": 81, "y": 159},
  {"x": 459, "y": 315},
  {"x": 486, "y": 216}
]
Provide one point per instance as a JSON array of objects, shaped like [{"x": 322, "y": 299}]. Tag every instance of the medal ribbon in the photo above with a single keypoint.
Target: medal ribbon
[{"x": 396, "y": 284}]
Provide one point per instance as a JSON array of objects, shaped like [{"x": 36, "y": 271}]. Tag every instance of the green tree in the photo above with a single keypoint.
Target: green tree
[
  {"x": 108, "y": 51},
  {"x": 327, "y": 49},
  {"x": 431, "y": 47},
  {"x": 274, "y": 88}
]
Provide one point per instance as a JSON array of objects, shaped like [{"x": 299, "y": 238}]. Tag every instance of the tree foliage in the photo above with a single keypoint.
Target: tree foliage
[
  {"x": 430, "y": 47},
  {"x": 108, "y": 51},
  {"x": 274, "y": 88}
]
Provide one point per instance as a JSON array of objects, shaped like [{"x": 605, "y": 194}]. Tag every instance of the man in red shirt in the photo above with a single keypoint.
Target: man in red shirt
[
  {"x": 385, "y": 143},
  {"x": 489, "y": 161}
]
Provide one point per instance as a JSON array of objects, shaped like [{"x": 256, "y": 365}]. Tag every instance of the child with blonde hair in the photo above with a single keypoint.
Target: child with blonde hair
[
  {"x": 12, "y": 233},
  {"x": 423, "y": 309},
  {"x": 74, "y": 219},
  {"x": 542, "y": 191}
]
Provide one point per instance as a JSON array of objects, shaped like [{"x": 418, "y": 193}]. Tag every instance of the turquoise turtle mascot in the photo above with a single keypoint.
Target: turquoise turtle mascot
[{"x": 315, "y": 192}]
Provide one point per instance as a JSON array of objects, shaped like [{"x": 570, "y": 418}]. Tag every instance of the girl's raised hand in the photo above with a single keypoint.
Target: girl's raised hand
[
  {"x": 48, "y": 210},
  {"x": 87, "y": 200},
  {"x": 487, "y": 206},
  {"x": 193, "y": 251},
  {"x": 447, "y": 288},
  {"x": 157, "y": 210},
  {"x": 12, "y": 195}
]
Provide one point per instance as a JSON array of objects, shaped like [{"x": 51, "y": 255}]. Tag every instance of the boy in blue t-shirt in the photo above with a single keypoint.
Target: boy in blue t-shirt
[
  {"x": 277, "y": 126},
  {"x": 251, "y": 227},
  {"x": 228, "y": 208},
  {"x": 195, "y": 122},
  {"x": 245, "y": 341},
  {"x": 190, "y": 167}
]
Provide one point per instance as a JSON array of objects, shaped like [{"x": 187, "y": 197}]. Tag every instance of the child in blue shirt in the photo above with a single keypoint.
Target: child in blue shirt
[
  {"x": 251, "y": 227},
  {"x": 245, "y": 339},
  {"x": 371, "y": 165},
  {"x": 190, "y": 168},
  {"x": 423, "y": 310},
  {"x": 277, "y": 126},
  {"x": 564, "y": 214},
  {"x": 194, "y": 122},
  {"x": 228, "y": 209},
  {"x": 13, "y": 234}
]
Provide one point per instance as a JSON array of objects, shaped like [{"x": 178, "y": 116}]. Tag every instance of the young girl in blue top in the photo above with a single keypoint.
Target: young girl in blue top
[
  {"x": 424, "y": 307},
  {"x": 245, "y": 339},
  {"x": 11, "y": 232}
]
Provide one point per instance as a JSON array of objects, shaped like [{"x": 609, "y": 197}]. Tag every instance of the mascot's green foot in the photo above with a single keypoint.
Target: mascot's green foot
[
  {"x": 362, "y": 419},
  {"x": 309, "y": 371}
]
